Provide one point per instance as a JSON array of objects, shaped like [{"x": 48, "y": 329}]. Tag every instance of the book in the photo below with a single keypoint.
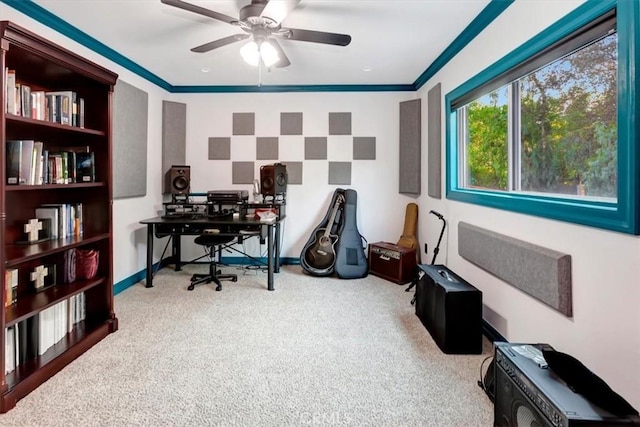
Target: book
[
  {"x": 85, "y": 167},
  {"x": 27, "y": 162},
  {"x": 10, "y": 76},
  {"x": 14, "y": 161},
  {"x": 11, "y": 286}
]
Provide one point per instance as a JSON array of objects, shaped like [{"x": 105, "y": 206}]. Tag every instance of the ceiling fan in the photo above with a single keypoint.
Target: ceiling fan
[{"x": 261, "y": 20}]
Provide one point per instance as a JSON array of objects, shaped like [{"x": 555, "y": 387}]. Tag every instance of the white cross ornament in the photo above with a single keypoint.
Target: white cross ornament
[
  {"x": 38, "y": 276},
  {"x": 32, "y": 228}
]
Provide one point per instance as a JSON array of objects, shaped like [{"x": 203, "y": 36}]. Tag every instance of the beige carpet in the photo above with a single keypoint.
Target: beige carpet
[{"x": 316, "y": 351}]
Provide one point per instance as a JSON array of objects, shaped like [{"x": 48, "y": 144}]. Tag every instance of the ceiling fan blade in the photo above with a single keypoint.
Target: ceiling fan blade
[
  {"x": 316, "y": 36},
  {"x": 219, "y": 43},
  {"x": 283, "y": 61},
  {"x": 277, "y": 10},
  {"x": 200, "y": 10}
]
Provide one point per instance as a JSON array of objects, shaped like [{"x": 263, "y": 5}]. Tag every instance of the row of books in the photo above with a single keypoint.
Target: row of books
[
  {"x": 30, "y": 163},
  {"x": 63, "y": 220},
  {"x": 32, "y": 337},
  {"x": 64, "y": 107}
]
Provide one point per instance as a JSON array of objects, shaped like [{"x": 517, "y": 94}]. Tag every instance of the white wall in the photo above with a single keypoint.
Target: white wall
[
  {"x": 604, "y": 332},
  {"x": 380, "y": 207}
]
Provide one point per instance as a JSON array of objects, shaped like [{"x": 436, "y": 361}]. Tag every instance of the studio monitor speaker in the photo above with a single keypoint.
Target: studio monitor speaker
[
  {"x": 178, "y": 180},
  {"x": 273, "y": 179}
]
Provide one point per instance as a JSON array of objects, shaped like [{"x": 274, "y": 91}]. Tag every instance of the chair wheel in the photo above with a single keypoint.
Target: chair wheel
[
  {"x": 190, "y": 287},
  {"x": 235, "y": 279},
  {"x": 218, "y": 288}
]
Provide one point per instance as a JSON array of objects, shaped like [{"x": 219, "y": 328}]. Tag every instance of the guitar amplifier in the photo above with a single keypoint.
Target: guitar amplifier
[{"x": 392, "y": 262}]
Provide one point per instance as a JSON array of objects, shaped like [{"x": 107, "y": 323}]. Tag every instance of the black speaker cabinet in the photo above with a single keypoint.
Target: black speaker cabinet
[
  {"x": 528, "y": 393},
  {"x": 450, "y": 309},
  {"x": 273, "y": 179},
  {"x": 178, "y": 180}
]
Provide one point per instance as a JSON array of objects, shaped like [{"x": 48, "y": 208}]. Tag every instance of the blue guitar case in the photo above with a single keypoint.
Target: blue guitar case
[
  {"x": 351, "y": 260},
  {"x": 318, "y": 254}
]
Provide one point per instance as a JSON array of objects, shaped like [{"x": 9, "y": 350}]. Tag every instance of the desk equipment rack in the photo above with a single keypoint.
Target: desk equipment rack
[{"x": 37, "y": 63}]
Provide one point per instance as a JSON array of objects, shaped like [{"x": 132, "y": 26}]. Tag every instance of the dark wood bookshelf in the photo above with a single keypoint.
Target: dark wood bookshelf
[{"x": 44, "y": 66}]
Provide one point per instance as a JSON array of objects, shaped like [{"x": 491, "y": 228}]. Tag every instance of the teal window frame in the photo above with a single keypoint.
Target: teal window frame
[{"x": 622, "y": 215}]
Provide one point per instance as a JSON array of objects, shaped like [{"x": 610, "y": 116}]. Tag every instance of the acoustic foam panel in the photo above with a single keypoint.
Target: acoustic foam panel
[
  {"x": 290, "y": 123},
  {"x": 364, "y": 148},
  {"x": 242, "y": 173},
  {"x": 244, "y": 124},
  {"x": 130, "y": 117},
  {"x": 174, "y": 137},
  {"x": 294, "y": 172},
  {"x": 434, "y": 142},
  {"x": 267, "y": 148},
  {"x": 543, "y": 273},
  {"x": 219, "y": 148},
  {"x": 410, "y": 154},
  {"x": 315, "y": 148},
  {"x": 340, "y": 173},
  {"x": 339, "y": 123}
]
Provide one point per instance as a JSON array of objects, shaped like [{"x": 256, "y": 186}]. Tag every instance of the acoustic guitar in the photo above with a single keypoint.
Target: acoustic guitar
[{"x": 321, "y": 255}]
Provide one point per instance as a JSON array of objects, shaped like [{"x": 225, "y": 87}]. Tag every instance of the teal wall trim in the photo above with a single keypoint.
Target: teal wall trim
[
  {"x": 31, "y": 9},
  {"x": 486, "y": 17},
  {"x": 131, "y": 280},
  {"x": 288, "y": 88},
  {"x": 142, "y": 274},
  {"x": 621, "y": 216}
]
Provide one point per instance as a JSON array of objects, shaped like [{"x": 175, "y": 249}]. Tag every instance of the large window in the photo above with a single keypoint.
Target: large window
[{"x": 538, "y": 132}]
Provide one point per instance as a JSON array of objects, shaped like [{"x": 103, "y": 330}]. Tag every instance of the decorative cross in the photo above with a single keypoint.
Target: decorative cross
[
  {"x": 32, "y": 228},
  {"x": 38, "y": 276}
]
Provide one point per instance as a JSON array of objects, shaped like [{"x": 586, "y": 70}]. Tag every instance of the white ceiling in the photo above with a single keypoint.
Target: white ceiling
[{"x": 396, "y": 39}]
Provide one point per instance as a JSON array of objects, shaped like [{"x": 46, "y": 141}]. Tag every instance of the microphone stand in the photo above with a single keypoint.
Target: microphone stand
[{"x": 436, "y": 250}]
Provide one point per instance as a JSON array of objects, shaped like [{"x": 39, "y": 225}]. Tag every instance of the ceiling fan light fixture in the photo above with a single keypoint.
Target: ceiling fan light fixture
[
  {"x": 268, "y": 53},
  {"x": 250, "y": 53}
]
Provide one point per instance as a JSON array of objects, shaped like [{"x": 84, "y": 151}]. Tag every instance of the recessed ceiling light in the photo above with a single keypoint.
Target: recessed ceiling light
[
  {"x": 205, "y": 70},
  {"x": 367, "y": 68}
]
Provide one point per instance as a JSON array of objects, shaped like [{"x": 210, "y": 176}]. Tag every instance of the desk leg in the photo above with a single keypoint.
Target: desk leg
[
  {"x": 149, "y": 256},
  {"x": 277, "y": 243},
  {"x": 176, "y": 251},
  {"x": 270, "y": 257}
]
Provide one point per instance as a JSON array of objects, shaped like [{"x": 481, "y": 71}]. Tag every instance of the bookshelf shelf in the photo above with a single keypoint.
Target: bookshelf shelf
[
  {"x": 54, "y": 186},
  {"x": 20, "y": 253},
  {"x": 27, "y": 307},
  {"x": 19, "y": 121},
  {"x": 53, "y": 92}
]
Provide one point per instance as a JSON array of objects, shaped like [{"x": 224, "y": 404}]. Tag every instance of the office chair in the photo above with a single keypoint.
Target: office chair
[{"x": 212, "y": 242}]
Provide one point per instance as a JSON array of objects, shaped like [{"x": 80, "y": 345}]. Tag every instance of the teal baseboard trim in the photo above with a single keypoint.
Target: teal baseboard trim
[
  {"x": 133, "y": 279},
  {"x": 241, "y": 260},
  {"x": 491, "y": 333}
]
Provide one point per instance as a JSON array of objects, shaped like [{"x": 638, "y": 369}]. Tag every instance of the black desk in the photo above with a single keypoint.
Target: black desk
[{"x": 176, "y": 227}]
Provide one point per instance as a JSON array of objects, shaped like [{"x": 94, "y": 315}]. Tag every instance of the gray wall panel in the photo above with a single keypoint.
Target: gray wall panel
[
  {"x": 294, "y": 173},
  {"x": 543, "y": 273},
  {"x": 364, "y": 148},
  {"x": 434, "y": 142},
  {"x": 244, "y": 123},
  {"x": 267, "y": 148},
  {"x": 242, "y": 173},
  {"x": 410, "y": 153},
  {"x": 174, "y": 137},
  {"x": 130, "y": 118},
  {"x": 291, "y": 123},
  {"x": 340, "y": 173},
  {"x": 339, "y": 123}
]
